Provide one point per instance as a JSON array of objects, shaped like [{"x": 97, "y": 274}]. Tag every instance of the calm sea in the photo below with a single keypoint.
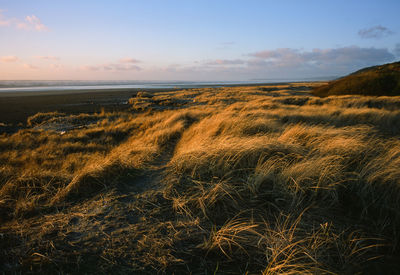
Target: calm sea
[{"x": 63, "y": 85}]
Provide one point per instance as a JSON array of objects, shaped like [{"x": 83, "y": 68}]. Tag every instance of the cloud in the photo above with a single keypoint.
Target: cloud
[
  {"x": 375, "y": 32},
  {"x": 285, "y": 63},
  {"x": 111, "y": 67},
  {"x": 354, "y": 55},
  {"x": 90, "y": 68},
  {"x": 4, "y": 21},
  {"x": 124, "y": 64},
  {"x": 129, "y": 60},
  {"x": 49, "y": 57},
  {"x": 30, "y": 66},
  {"x": 277, "y": 53},
  {"x": 30, "y": 22},
  {"x": 225, "y": 62},
  {"x": 119, "y": 67},
  {"x": 10, "y": 58}
]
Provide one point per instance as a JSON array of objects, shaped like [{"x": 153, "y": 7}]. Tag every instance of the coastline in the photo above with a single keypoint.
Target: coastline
[{"x": 16, "y": 107}]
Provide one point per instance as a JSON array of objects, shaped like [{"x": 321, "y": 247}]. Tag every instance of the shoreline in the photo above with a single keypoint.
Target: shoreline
[
  {"x": 76, "y": 91},
  {"x": 16, "y": 107},
  {"x": 62, "y": 91}
]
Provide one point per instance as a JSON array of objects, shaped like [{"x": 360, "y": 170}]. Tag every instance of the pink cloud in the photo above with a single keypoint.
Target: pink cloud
[
  {"x": 4, "y": 21},
  {"x": 31, "y": 22},
  {"x": 50, "y": 57},
  {"x": 30, "y": 67},
  {"x": 125, "y": 66},
  {"x": 90, "y": 68},
  {"x": 10, "y": 58},
  {"x": 129, "y": 60}
]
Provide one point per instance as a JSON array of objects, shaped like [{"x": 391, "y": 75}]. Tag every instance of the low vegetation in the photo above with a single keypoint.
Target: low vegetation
[
  {"x": 372, "y": 81},
  {"x": 258, "y": 180}
]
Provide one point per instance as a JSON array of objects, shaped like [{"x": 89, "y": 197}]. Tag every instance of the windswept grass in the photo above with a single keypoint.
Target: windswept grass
[{"x": 263, "y": 180}]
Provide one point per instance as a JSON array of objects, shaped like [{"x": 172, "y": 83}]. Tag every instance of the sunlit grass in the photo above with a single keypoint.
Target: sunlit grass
[{"x": 262, "y": 180}]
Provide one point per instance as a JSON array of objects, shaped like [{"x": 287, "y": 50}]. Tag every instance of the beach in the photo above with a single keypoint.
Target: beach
[{"x": 16, "y": 107}]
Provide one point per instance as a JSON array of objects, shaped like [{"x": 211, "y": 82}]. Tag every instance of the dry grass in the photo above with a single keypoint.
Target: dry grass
[{"x": 267, "y": 180}]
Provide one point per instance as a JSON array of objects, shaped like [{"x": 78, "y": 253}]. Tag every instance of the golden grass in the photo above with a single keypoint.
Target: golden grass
[{"x": 267, "y": 180}]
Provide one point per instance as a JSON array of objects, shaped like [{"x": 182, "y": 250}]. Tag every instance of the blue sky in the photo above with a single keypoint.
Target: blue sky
[{"x": 195, "y": 40}]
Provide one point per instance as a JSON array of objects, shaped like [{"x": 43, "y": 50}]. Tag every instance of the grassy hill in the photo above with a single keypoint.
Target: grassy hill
[{"x": 382, "y": 80}]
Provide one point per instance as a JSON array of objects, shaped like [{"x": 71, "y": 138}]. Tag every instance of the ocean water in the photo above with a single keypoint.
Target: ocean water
[{"x": 63, "y": 85}]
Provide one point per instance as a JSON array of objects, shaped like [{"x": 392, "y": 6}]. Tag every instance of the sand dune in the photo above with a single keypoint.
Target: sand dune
[{"x": 263, "y": 179}]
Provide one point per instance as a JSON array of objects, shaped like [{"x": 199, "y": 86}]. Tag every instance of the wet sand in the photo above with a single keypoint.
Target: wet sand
[{"x": 16, "y": 107}]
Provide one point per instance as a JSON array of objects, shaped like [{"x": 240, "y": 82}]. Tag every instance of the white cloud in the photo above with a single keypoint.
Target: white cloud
[{"x": 9, "y": 58}]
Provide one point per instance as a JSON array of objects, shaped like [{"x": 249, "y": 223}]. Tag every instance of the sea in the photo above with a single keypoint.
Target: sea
[{"x": 67, "y": 85}]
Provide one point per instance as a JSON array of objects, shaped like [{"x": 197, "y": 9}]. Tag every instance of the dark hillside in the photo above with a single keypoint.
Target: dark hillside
[{"x": 382, "y": 80}]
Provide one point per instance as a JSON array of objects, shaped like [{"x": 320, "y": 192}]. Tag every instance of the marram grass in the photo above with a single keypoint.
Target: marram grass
[{"x": 256, "y": 180}]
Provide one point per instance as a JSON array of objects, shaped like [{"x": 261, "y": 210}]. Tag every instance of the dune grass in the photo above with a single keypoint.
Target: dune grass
[{"x": 263, "y": 180}]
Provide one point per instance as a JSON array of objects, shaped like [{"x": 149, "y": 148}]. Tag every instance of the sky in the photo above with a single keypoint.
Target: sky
[{"x": 199, "y": 40}]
